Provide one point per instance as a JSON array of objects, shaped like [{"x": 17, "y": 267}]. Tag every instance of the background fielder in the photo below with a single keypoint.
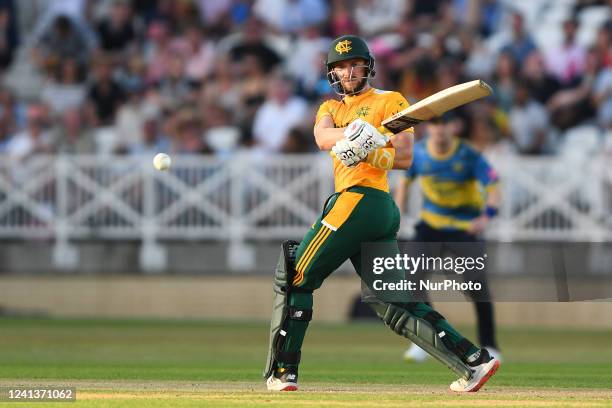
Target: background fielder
[{"x": 455, "y": 181}]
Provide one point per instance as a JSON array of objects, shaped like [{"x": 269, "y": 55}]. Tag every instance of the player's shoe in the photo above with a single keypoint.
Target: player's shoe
[
  {"x": 283, "y": 379},
  {"x": 415, "y": 354},
  {"x": 480, "y": 374},
  {"x": 493, "y": 352}
]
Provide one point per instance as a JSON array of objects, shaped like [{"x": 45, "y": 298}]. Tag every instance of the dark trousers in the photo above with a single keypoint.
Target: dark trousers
[{"x": 484, "y": 309}]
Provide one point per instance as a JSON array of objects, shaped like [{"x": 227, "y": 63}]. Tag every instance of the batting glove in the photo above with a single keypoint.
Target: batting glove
[
  {"x": 349, "y": 152},
  {"x": 366, "y": 135}
]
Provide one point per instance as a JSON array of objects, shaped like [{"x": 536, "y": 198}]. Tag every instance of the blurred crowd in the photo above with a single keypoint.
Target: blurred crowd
[{"x": 218, "y": 76}]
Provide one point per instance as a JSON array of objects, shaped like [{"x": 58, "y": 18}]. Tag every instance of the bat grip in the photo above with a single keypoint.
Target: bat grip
[{"x": 384, "y": 130}]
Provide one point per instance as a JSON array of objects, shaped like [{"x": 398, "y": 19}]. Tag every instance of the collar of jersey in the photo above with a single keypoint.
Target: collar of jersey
[
  {"x": 444, "y": 156},
  {"x": 350, "y": 99}
]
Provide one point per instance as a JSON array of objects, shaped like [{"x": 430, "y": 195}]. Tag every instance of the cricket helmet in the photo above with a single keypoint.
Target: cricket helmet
[{"x": 345, "y": 48}]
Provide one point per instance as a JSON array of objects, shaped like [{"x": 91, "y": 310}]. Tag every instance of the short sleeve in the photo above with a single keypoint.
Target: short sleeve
[
  {"x": 395, "y": 102},
  {"x": 484, "y": 173},
  {"x": 324, "y": 110}
]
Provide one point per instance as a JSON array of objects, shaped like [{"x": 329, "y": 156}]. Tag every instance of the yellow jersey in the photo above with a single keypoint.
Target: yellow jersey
[{"x": 373, "y": 106}]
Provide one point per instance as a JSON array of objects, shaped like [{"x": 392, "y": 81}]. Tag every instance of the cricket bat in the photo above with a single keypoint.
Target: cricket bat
[{"x": 435, "y": 105}]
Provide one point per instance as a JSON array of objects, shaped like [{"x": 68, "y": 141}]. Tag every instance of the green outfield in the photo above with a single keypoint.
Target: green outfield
[{"x": 194, "y": 363}]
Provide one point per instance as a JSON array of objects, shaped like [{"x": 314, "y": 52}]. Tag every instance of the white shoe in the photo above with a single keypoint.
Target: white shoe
[
  {"x": 493, "y": 352},
  {"x": 480, "y": 376},
  {"x": 286, "y": 382},
  {"x": 415, "y": 354}
]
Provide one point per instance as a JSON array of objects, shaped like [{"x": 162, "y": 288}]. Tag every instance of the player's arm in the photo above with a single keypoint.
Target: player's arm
[
  {"x": 487, "y": 176},
  {"x": 403, "y": 144},
  {"x": 326, "y": 135},
  {"x": 493, "y": 196},
  {"x": 397, "y": 157}
]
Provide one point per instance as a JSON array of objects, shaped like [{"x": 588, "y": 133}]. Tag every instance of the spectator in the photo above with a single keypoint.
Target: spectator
[
  {"x": 153, "y": 139},
  {"x": 174, "y": 86},
  {"x": 504, "y": 81},
  {"x": 198, "y": 52},
  {"x": 542, "y": 84},
  {"x": 35, "y": 138},
  {"x": 131, "y": 116},
  {"x": 569, "y": 107},
  {"x": 305, "y": 62},
  {"x": 223, "y": 87},
  {"x": 105, "y": 95},
  {"x": 342, "y": 21},
  {"x": 8, "y": 35},
  {"x": 212, "y": 12},
  {"x": 253, "y": 44},
  {"x": 291, "y": 16},
  {"x": 185, "y": 13},
  {"x": 157, "y": 50},
  {"x": 220, "y": 133},
  {"x": 603, "y": 44},
  {"x": 419, "y": 80},
  {"x": 485, "y": 16},
  {"x": 116, "y": 32},
  {"x": 188, "y": 132},
  {"x": 134, "y": 73},
  {"x": 280, "y": 112},
  {"x": 529, "y": 123},
  {"x": 253, "y": 89},
  {"x": 602, "y": 97},
  {"x": 71, "y": 135},
  {"x": 567, "y": 62},
  {"x": 66, "y": 90},
  {"x": 298, "y": 141},
  {"x": 479, "y": 58},
  {"x": 521, "y": 44},
  {"x": 12, "y": 112},
  {"x": 375, "y": 17},
  {"x": 62, "y": 41}
]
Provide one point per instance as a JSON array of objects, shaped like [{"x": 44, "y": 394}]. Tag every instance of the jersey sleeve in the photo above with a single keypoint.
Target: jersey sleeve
[
  {"x": 324, "y": 110},
  {"x": 395, "y": 102},
  {"x": 484, "y": 173}
]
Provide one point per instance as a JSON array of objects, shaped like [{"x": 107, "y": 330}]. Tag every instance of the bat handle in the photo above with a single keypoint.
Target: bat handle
[{"x": 384, "y": 130}]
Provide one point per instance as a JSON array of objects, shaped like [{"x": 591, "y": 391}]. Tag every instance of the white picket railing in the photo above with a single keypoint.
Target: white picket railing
[{"x": 250, "y": 197}]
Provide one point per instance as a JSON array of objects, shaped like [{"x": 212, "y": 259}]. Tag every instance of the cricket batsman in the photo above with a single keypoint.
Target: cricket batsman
[
  {"x": 460, "y": 196},
  {"x": 361, "y": 210}
]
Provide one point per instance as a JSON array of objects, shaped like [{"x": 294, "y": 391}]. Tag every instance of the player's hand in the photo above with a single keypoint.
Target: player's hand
[
  {"x": 366, "y": 135},
  {"x": 349, "y": 152},
  {"x": 479, "y": 225}
]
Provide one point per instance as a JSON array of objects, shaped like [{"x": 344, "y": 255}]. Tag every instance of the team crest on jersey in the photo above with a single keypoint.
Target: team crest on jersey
[
  {"x": 363, "y": 111},
  {"x": 457, "y": 167},
  {"x": 343, "y": 46}
]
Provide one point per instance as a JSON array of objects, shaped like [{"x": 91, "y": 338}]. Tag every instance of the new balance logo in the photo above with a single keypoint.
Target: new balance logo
[
  {"x": 291, "y": 377},
  {"x": 298, "y": 313}
]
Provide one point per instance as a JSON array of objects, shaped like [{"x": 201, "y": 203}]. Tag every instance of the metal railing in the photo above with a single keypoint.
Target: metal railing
[{"x": 252, "y": 197}]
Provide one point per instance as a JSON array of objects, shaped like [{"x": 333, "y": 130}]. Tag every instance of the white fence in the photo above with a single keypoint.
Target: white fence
[{"x": 249, "y": 197}]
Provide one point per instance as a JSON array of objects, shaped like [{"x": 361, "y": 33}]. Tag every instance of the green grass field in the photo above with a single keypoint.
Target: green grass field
[{"x": 193, "y": 363}]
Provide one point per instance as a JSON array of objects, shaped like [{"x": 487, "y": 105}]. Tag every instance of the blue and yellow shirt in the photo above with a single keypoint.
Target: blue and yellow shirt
[{"x": 454, "y": 185}]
